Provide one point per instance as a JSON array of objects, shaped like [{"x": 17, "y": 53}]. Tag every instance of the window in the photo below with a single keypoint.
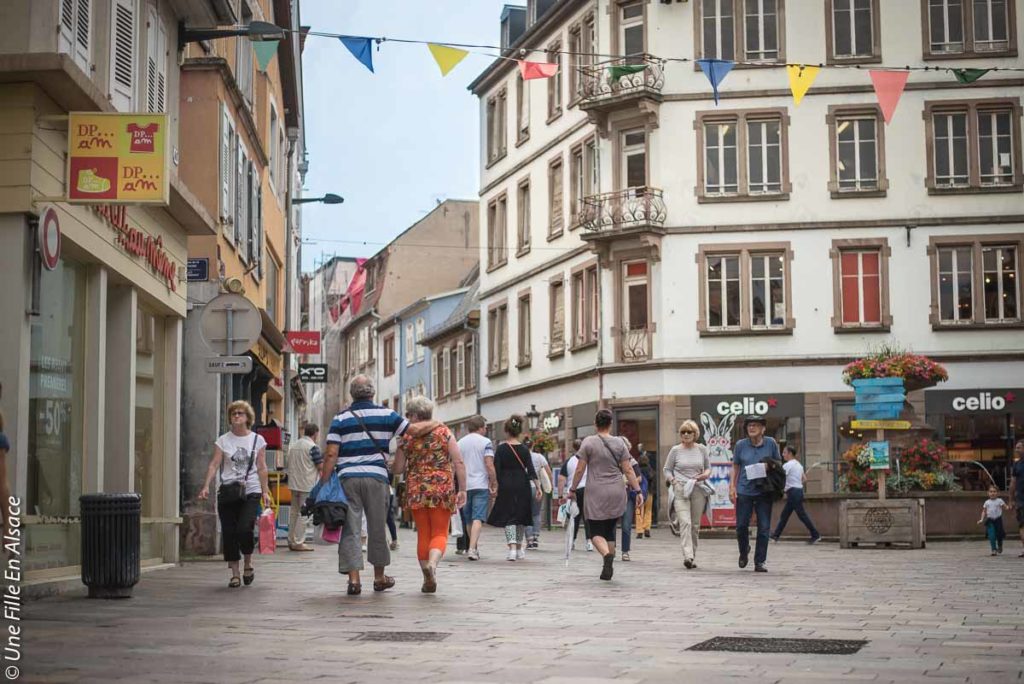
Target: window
[
  {"x": 525, "y": 324},
  {"x": 522, "y": 109},
  {"x": 452, "y": 369},
  {"x": 852, "y": 31},
  {"x": 389, "y": 355},
  {"x": 497, "y": 213},
  {"x": 860, "y": 282},
  {"x": 523, "y": 218},
  {"x": 584, "y": 306},
  {"x": 976, "y": 280},
  {"x": 371, "y": 277},
  {"x": 156, "y": 62},
  {"x": 635, "y": 318},
  {"x": 634, "y": 158},
  {"x": 470, "y": 363},
  {"x": 576, "y": 61},
  {"x": 745, "y": 288},
  {"x": 969, "y": 28},
  {"x": 577, "y": 180},
  {"x": 228, "y": 172},
  {"x": 241, "y": 220},
  {"x": 123, "y": 48},
  {"x": 556, "y": 322},
  {"x": 555, "y": 83},
  {"x": 756, "y": 26},
  {"x": 460, "y": 366},
  {"x": 744, "y": 155},
  {"x": 497, "y": 334},
  {"x": 445, "y": 371},
  {"x": 973, "y": 147},
  {"x": 555, "y": 198},
  {"x": 410, "y": 344},
  {"x": 75, "y": 37},
  {"x": 274, "y": 150},
  {"x": 243, "y": 59},
  {"x": 435, "y": 380},
  {"x": 497, "y": 145},
  {"x": 631, "y": 32},
  {"x": 857, "y": 152},
  {"x": 364, "y": 346},
  {"x": 272, "y": 289},
  {"x": 421, "y": 329}
]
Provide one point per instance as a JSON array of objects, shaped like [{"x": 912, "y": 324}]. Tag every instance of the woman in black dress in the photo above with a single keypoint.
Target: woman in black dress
[{"x": 512, "y": 509}]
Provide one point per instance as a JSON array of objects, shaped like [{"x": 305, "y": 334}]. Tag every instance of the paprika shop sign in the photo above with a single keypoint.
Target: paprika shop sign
[{"x": 139, "y": 244}]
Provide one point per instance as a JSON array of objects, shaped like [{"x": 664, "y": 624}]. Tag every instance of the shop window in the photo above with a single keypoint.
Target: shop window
[
  {"x": 148, "y": 388},
  {"x": 844, "y": 436},
  {"x": 745, "y": 288},
  {"x": 976, "y": 281},
  {"x": 860, "y": 284},
  {"x": 978, "y": 440}
]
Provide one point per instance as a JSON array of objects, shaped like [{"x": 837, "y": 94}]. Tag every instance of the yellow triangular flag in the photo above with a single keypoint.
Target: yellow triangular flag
[
  {"x": 446, "y": 57},
  {"x": 800, "y": 80}
]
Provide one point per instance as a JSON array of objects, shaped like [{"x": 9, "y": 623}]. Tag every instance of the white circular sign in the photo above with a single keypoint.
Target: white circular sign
[
  {"x": 49, "y": 238},
  {"x": 246, "y": 324}
]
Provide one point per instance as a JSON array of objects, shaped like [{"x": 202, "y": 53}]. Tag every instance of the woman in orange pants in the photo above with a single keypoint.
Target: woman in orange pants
[{"x": 430, "y": 458}]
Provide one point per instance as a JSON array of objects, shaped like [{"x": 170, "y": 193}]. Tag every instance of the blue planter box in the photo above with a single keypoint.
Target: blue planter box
[{"x": 878, "y": 398}]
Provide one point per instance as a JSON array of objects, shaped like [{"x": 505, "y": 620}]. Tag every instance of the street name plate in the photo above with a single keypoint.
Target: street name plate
[
  {"x": 229, "y": 364},
  {"x": 880, "y": 424}
]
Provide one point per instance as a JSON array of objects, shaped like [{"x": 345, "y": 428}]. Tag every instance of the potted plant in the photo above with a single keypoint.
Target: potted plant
[
  {"x": 920, "y": 466},
  {"x": 917, "y": 370}
]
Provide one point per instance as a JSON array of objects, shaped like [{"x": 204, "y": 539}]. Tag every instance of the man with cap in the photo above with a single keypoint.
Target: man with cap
[{"x": 746, "y": 496}]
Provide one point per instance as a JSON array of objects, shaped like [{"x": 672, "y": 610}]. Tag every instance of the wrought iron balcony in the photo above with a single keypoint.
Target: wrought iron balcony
[
  {"x": 620, "y": 80},
  {"x": 636, "y": 345},
  {"x": 623, "y": 210}
]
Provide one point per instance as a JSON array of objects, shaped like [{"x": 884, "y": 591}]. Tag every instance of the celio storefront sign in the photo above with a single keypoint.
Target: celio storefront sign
[
  {"x": 982, "y": 401},
  {"x": 138, "y": 243}
]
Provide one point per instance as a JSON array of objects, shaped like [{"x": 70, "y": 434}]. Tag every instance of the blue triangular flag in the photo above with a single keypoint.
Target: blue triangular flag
[
  {"x": 716, "y": 71},
  {"x": 360, "y": 48}
]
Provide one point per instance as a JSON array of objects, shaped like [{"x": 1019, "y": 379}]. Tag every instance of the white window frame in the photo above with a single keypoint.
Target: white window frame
[
  {"x": 859, "y": 182},
  {"x": 627, "y": 282},
  {"x": 843, "y": 279},
  {"x": 765, "y": 146},
  {"x": 990, "y": 44},
  {"x": 410, "y": 344},
  {"x": 766, "y": 281},
  {"x": 994, "y": 142},
  {"x": 852, "y": 12},
  {"x": 999, "y": 249},
  {"x": 723, "y": 285},
  {"x": 75, "y": 36},
  {"x": 955, "y": 274},
  {"x": 633, "y": 150},
  {"x": 156, "y": 61},
  {"x": 628, "y": 23},
  {"x": 446, "y": 368},
  {"x": 952, "y": 180},
  {"x": 122, "y": 76},
  {"x": 460, "y": 366},
  {"x": 947, "y": 11},
  {"x": 421, "y": 329},
  {"x": 717, "y": 19},
  {"x": 761, "y": 54}
]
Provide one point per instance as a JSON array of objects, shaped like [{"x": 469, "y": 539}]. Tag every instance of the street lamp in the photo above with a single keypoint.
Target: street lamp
[
  {"x": 329, "y": 198},
  {"x": 254, "y": 30},
  {"x": 532, "y": 417}
]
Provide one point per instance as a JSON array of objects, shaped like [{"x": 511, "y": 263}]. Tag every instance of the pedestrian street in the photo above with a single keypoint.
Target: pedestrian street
[{"x": 947, "y": 613}]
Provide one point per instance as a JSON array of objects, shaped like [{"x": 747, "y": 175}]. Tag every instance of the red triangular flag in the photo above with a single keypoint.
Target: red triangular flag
[
  {"x": 531, "y": 70},
  {"x": 888, "y": 88}
]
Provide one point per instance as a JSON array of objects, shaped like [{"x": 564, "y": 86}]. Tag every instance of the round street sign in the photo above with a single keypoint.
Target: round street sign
[
  {"x": 245, "y": 323},
  {"x": 49, "y": 238}
]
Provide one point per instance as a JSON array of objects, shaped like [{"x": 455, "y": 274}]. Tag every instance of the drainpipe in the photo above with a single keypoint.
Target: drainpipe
[
  {"x": 600, "y": 273},
  {"x": 289, "y": 229}
]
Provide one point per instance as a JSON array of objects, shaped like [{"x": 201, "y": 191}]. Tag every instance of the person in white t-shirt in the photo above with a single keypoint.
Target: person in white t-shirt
[
  {"x": 568, "y": 471},
  {"x": 481, "y": 484},
  {"x": 795, "y": 479},
  {"x": 241, "y": 458},
  {"x": 992, "y": 519},
  {"x": 540, "y": 462}
]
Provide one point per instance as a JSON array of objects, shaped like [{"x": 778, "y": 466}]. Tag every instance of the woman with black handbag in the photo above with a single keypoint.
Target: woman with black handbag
[
  {"x": 512, "y": 508},
  {"x": 240, "y": 456}
]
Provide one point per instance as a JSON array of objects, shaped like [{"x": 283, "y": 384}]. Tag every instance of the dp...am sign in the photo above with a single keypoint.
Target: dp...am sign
[{"x": 117, "y": 158}]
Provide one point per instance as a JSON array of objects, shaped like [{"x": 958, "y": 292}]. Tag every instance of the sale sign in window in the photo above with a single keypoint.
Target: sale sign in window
[{"x": 117, "y": 158}]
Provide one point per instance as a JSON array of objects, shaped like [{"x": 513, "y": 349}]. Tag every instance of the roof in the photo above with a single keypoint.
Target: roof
[
  {"x": 416, "y": 306},
  {"x": 458, "y": 317}
]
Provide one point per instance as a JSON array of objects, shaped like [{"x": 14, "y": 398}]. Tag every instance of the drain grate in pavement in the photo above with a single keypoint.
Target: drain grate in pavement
[
  {"x": 407, "y": 637},
  {"x": 771, "y": 645}
]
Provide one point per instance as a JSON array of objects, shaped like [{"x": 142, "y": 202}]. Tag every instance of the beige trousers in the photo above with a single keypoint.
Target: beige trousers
[
  {"x": 296, "y": 523},
  {"x": 688, "y": 512}
]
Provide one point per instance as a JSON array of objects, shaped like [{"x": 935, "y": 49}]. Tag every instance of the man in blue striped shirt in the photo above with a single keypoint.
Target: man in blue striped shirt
[{"x": 357, "y": 447}]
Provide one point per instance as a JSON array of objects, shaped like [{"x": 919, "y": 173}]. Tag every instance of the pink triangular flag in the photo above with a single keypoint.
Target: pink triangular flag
[
  {"x": 888, "y": 88},
  {"x": 531, "y": 70}
]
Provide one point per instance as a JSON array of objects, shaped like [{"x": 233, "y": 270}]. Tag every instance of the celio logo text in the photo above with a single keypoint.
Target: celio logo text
[
  {"x": 747, "y": 405},
  {"x": 984, "y": 401}
]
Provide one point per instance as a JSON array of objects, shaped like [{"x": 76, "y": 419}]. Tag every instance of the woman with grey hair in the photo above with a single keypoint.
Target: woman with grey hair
[
  {"x": 687, "y": 469},
  {"x": 435, "y": 483}
]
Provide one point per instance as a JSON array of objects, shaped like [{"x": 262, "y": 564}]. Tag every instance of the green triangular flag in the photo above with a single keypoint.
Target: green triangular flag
[
  {"x": 265, "y": 51},
  {"x": 617, "y": 72},
  {"x": 969, "y": 75}
]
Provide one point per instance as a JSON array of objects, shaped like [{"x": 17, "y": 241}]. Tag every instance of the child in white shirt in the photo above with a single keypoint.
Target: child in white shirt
[{"x": 992, "y": 518}]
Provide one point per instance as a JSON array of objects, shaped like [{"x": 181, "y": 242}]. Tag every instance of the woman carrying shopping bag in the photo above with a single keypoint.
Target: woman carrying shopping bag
[
  {"x": 435, "y": 483},
  {"x": 240, "y": 457}
]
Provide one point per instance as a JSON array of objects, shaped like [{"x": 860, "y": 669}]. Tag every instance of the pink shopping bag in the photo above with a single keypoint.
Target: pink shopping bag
[
  {"x": 331, "y": 536},
  {"x": 268, "y": 531}
]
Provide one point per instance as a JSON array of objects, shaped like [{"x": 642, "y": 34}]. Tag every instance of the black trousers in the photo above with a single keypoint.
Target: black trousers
[
  {"x": 237, "y": 521},
  {"x": 580, "y": 493}
]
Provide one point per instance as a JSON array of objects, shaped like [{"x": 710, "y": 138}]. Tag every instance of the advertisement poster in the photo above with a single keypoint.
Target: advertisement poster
[
  {"x": 116, "y": 158},
  {"x": 718, "y": 438}
]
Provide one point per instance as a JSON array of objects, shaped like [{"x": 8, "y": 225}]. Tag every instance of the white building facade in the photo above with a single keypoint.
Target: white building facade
[{"x": 648, "y": 250}]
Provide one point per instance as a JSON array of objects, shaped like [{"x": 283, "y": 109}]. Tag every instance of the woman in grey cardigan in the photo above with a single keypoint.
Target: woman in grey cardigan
[{"x": 686, "y": 470}]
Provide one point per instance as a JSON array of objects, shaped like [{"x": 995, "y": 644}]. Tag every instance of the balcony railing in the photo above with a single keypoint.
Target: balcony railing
[
  {"x": 623, "y": 209},
  {"x": 636, "y": 345},
  {"x": 617, "y": 78}
]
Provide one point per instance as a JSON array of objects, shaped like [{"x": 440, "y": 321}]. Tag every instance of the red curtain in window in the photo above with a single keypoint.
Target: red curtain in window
[{"x": 861, "y": 280}]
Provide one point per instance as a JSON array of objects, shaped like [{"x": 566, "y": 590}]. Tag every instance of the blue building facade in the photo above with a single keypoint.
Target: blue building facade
[{"x": 414, "y": 362}]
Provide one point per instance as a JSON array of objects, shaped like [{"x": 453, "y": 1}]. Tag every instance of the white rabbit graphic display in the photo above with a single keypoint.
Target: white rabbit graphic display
[{"x": 718, "y": 438}]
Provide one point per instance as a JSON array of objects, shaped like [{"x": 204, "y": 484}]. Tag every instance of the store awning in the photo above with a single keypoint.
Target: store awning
[{"x": 273, "y": 334}]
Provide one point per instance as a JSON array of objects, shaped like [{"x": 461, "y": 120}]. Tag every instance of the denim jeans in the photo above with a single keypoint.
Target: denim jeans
[
  {"x": 533, "y": 531},
  {"x": 995, "y": 533},
  {"x": 627, "y": 524},
  {"x": 745, "y": 507},
  {"x": 795, "y": 504}
]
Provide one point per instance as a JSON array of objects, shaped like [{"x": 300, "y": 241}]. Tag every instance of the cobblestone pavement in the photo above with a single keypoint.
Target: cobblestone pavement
[{"x": 949, "y": 613}]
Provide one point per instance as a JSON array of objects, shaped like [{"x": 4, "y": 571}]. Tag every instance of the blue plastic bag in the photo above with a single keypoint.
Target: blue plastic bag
[{"x": 330, "y": 492}]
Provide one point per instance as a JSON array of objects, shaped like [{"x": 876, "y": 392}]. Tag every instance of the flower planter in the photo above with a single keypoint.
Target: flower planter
[{"x": 885, "y": 523}]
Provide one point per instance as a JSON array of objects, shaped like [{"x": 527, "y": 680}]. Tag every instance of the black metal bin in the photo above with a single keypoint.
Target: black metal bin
[{"x": 111, "y": 539}]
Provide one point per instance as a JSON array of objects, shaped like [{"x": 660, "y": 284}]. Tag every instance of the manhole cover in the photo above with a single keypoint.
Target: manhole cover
[
  {"x": 878, "y": 520},
  {"x": 769, "y": 645},
  {"x": 403, "y": 636}
]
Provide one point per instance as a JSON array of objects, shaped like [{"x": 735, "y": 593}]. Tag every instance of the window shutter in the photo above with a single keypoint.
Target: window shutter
[
  {"x": 226, "y": 170},
  {"x": 460, "y": 367},
  {"x": 66, "y": 39},
  {"x": 251, "y": 229},
  {"x": 420, "y": 329},
  {"x": 83, "y": 32},
  {"x": 156, "y": 62},
  {"x": 122, "y": 51},
  {"x": 240, "y": 187},
  {"x": 259, "y": 230},
  {"x": 434, "y": 362}
]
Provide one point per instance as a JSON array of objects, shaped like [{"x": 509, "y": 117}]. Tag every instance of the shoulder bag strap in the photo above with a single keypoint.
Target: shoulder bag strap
[
  {"x": 516, "y": 454},
  {"x": 252, "y": 456},
  {"x": 367, "y": 432}
]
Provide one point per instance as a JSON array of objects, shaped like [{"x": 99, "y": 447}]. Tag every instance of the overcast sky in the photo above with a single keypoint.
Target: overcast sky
[{"x": 394, "y": 142}]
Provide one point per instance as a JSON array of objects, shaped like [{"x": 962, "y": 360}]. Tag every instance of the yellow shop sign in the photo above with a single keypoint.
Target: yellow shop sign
[{"x": 117, "y": 158}]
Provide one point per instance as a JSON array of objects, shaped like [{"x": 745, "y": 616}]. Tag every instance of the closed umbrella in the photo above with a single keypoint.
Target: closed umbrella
[{"x": 567, "y": 513}]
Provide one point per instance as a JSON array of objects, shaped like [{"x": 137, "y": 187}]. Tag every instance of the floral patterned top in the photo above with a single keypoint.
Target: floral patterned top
[{"x": 429, "y": 471}]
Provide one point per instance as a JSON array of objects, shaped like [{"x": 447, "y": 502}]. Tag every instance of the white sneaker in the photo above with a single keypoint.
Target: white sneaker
[
  {"x": 521, "y": 553},
  {"x": 590, "y": 545},
  {"x": 511, "y": 555},
  {"x": 474, "y": 554}
]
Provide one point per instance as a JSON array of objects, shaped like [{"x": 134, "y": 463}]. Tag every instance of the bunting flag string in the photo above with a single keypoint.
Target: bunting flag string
[
  {"x": 532, "y": 70},
  {"x": 617, "y": 71},
  {"x": 447, "y": 58},
  {"x": 888, "y": 88},
  {"x": 716, "y": 70},
  {"x": 800, "y": 80},
  {"x": 965, "y": 76},
  {"x": 360, "y": 48},
  {"x": 265, "y": 51}
]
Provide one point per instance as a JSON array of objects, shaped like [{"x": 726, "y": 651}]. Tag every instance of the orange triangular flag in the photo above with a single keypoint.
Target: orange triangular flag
[
  {"x": 531, "y": 70},
  {"x": 888, "y": 88}
]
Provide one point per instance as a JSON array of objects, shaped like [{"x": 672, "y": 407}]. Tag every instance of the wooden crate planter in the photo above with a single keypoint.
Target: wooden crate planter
[{"x": 882, "y": 523}]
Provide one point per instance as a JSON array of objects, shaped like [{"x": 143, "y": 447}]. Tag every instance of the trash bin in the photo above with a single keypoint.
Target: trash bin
[{"x": 111, "y": 537}]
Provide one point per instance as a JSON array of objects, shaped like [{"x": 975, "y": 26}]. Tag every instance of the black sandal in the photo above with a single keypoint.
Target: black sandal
[
  {"x": 234, "y": 582},
  {"x": 354, "y": 589},
  {"x": 248, "y": 575},
  {"x": 385, "y": 582}
]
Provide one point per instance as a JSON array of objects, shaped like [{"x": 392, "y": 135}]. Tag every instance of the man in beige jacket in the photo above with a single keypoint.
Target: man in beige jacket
[{"x": 303, "y": 467}]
